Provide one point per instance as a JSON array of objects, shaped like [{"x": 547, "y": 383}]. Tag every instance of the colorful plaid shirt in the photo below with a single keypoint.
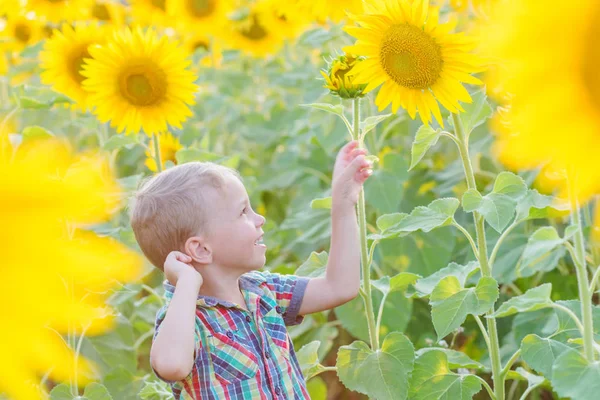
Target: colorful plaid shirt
[{"x": 243, "y": 354}]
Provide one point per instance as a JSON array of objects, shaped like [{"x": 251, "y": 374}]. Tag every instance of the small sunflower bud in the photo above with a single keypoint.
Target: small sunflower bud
[{"x": 337, "y": 79}]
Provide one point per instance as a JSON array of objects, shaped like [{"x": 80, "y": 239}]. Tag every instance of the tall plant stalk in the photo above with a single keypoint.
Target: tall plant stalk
[
  {"x": 157, "y": 158},
  {"x": 362, "y": 222},
  {"x": 494, "y": 347},
  {"x": 585, "y": 295}
]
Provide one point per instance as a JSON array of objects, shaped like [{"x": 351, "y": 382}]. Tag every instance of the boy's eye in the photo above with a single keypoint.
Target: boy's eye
[{"x": 244, "y": 210}]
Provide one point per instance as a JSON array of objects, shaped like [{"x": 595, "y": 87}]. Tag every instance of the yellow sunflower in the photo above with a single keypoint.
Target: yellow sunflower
[
  {"x": 63, "y": 56},
  {"x": 204, "y": 16},
  {"x": 212, "y": 48},
  {"x": 107, "y": 11},
  {"x": 289, "y": 20},
  {"x": 149, "y": 12},
  {"x": 335, "y": 10},
  {"x": 59, "y": 10},
  {"x": 140, "y": 81},
  {"x": 63, "y": 285},
  {"x": 415, "y": 58},
  {"x": 555, "y": 109},
  {"x": 257, "y": 34},
  {"x": 21, "y": 31},
  {"x": 338, "y": 79},
  {"x": 168, "y": 147}
]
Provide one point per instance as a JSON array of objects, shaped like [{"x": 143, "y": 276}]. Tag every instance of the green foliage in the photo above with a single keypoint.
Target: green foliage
[
  {"x": 432, "y": 379},
  {"x": 381, "y": 374}
]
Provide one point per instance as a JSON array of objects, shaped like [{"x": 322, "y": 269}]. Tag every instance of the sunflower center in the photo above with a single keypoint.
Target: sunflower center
[
  {"x": 158, "y": 4},
  {"x": 591, "y": 77},
  {"x": 143, "y": 85},
  {"x": 22, "y": 33},
  {"x": 100, "y": 11},
  {"x": 255, "y": 31},
  {"x": 201, "y": 8},
  {"x": 200, "y": 44},
  {"x": 411, "y": 57},
  {"x": 77, "y": 61}
]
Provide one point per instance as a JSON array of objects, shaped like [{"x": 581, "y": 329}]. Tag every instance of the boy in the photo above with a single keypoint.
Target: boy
[{"x": 221, "y": 334}]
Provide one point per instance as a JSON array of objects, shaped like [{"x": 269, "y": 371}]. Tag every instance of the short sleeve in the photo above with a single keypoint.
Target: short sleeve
[
  {"x": 160, "y": 316},
  {"x": 289, "y": 292}
]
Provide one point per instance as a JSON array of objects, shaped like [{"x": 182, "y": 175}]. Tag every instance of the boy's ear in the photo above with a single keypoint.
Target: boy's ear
[{"x": 199, "y": 250}]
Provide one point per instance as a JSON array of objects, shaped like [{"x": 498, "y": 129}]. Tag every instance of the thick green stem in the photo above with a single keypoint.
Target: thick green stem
[
  {"x": 364, "y": 254},
  {"x": 585, "y": 296},
  {"x": 494, "y": 347},
  {"x": 157, "y": 159}
]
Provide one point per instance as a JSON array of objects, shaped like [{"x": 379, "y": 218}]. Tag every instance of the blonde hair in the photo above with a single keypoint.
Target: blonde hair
[{"x": 169, "y": 207}]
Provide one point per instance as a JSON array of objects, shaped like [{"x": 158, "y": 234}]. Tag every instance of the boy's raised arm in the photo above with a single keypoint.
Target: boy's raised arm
[
  {"x": 172, "y": 353},
  {"x": 342, "y": 278}
]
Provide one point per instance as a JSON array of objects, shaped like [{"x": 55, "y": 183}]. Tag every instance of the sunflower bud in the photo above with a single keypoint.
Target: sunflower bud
[{"x": 337, "y": 79}]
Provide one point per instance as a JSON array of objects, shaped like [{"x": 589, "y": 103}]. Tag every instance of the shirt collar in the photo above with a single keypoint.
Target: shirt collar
[{"x": 248, "y": 282}]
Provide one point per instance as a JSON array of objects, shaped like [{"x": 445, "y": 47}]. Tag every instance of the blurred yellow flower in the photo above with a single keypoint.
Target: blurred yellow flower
[
  {"x": 55, "y": 274},
  {"x": 212, "y": 49},
  {"x": 20, "y": 31},
  {"x": 256, "y": 34},
  {"x": 554, "y": 116},
  {"x": 63, "y": 56},
  {"x": 206, "y": 16},
  {"x": 59, "y": 10},
  {"x": 339, "y": 81},
  {"x": 140, "y": 81},
  {"x": 321, "y": 11},
  {"x": 168, "y": 146},
  {"x": 415, "y": 58},
  {"x": 108, "y": 11},
  {"x": 149, "y": 12},
  {"x": 289, "y": 20}
]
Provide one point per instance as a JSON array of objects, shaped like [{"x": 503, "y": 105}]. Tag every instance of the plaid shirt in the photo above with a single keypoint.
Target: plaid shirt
[{"x": 243, "y": 354}]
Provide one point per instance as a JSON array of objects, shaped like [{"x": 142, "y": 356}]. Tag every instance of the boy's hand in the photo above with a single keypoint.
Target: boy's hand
[
  {"x": 351, "y": 170},
  {"x": 177, "y": 266}
]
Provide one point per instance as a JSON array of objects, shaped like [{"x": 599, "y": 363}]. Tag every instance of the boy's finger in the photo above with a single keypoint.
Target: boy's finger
[
  {"x": 356, "y": 152},
  {"x": 348, "y": 147}
]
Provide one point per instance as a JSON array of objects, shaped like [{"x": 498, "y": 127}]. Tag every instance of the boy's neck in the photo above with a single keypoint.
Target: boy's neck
[{"x": 222, "y": 286}]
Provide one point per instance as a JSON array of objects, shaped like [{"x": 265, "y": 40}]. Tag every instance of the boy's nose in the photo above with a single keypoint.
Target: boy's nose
[{"x": 261, "y": 220}]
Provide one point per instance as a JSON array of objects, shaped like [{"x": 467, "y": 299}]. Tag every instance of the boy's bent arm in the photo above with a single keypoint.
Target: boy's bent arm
[
  {"x": 172, "y": 353},
  {"x": 341, "y": 282}
]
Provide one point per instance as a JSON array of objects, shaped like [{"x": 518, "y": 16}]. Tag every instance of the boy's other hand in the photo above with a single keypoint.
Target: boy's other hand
[
  {"x": 178, "y": 265},
  {"x": 350, "y": 171}
]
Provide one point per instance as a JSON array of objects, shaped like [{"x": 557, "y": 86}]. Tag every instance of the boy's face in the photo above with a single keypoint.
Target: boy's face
[{"x": 236, "y": 229}]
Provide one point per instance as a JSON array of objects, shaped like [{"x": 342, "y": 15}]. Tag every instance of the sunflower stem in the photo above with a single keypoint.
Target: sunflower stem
[
  {"x": 585, "y": 296},
  {"x": 157, "y": 159},
  {"x": 494, "y": 347},
  {"x": 364, "y": 255}
]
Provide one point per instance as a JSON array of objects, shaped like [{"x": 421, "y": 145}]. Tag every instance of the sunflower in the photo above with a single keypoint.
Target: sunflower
[
  {"x": 63, "y": 56},
  {"x": 211, "y": 47},
  {"x": 335, "y": 10},
  {"x": 200, "y": 16},
  {"x": 67, "y": 279},
  {"x": 149, "y": 12},
  {"x": 140, "y": 81},
  {"x": 415, "y": 58},
  {"x": 257, "y": 33},
  {"x": 21, "y": 31},
  {"x": 554, "y": 117},
  {"x": 288, "y": 19},
  {"x": 338, "y": 79},
  {"x": 107, "y": 11},
  {"x": 59, "y": 10},
  {"x": 168, "y": 147}
]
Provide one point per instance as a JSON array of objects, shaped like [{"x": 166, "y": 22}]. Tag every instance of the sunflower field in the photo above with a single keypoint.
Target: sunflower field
[{"x": 479, "y": 229}]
